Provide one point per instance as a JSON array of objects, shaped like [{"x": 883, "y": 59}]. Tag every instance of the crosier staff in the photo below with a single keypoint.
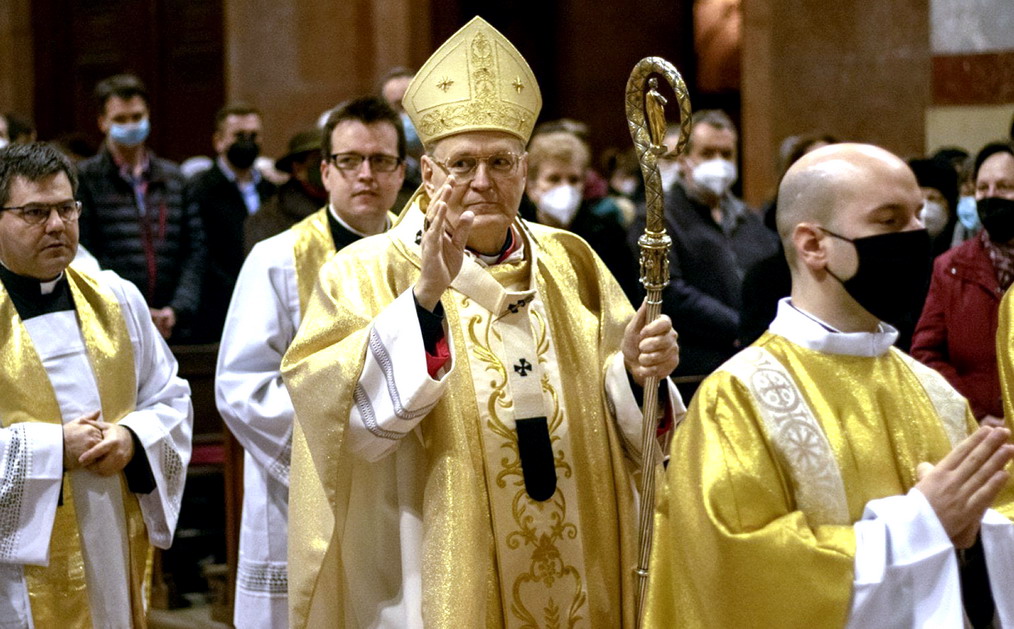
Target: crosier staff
[{"x": 646, "y": 120}]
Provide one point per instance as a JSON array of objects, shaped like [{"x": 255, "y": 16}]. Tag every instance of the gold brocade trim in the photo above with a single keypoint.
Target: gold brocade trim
[
  {"x": 538, "y": 545},
  {"x": 948, "y": 403},
  {"x": 796, "y": 435},
  {"x": 475, "y": 81},
  {"x": 314, "y": 245},
  {"x": 58, "y": 592},
  {"x": 485, "y": 108}
]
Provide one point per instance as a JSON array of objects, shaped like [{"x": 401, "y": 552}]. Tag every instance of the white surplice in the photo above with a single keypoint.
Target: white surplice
[
  {"x": 31, "y": 463},
  {"x": 262, "y": 321}
]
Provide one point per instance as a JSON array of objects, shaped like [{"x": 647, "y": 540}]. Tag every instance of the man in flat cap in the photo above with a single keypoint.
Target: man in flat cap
[{"x": 467, "y": 425}]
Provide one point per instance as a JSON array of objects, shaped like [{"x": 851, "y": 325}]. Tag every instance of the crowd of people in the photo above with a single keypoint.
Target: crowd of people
[{"x": 432, "y": 347}]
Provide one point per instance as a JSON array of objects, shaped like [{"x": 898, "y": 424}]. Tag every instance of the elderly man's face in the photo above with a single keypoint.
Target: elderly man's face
[
  {"x": 996, "y": 177},
  {"x": 708, "y": 142},
  {"x": 41, "y": 251},
  {"x": 492, "y": 196}
]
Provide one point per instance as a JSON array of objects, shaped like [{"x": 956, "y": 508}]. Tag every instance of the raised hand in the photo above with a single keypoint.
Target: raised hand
[
  {"x": 964, "y": 484},
  {"x": 443, "y": 244},
  {"x": 650, "y": 349}
]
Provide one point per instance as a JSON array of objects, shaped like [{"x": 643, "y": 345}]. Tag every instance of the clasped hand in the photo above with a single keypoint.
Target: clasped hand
[
  {"x": 966, "y": 482},
  {"x": 95, "y": 445}
]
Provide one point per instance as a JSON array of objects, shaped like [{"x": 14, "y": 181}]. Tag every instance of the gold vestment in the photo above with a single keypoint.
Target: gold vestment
[
  {"x": 314, "y": 245},
  {"x": 483, "y": 562},
  {"x": 741, "y": 540},
  {"x": 58, "y": 592},
  {"x": 1005, "y": 355}
]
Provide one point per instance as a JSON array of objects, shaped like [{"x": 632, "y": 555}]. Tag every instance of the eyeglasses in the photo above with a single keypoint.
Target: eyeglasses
[
  {"x": 464, "y": 167},
  {"x": 68, "y": 211},
  {"x": 378, "y": 161}
]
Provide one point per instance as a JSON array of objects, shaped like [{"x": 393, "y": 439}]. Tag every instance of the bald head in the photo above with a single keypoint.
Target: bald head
[{"x": 830, "y": 181}]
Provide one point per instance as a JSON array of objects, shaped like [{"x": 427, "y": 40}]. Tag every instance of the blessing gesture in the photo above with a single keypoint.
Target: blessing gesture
[{"x": 443, "y": 244}]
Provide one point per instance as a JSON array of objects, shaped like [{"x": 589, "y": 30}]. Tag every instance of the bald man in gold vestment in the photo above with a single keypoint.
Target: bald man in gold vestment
[
  {"x": 800, "y": 491},
  {"x": 464, "y": 386}
]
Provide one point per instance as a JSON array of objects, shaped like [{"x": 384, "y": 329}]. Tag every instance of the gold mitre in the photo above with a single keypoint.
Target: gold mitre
[{"x": 476, "y": 81}]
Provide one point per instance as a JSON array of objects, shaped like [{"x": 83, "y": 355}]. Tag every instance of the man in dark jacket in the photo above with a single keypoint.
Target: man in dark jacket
[
  {"x": 136, "y": 220},
  {"x": 224, "y": 196},
  {"x": 715, "y": 239},
  {"x": 302, "y": 195}
]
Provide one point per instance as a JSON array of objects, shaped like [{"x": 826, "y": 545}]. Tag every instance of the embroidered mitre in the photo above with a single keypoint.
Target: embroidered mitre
[{"x": 475, "y": 81}]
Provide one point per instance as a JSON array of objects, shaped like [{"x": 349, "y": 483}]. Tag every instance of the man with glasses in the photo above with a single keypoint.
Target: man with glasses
[
  {"x": 96, "y": 425},
  {"x": 464, "y": 388},
  {"x": 363, "y": 168}
]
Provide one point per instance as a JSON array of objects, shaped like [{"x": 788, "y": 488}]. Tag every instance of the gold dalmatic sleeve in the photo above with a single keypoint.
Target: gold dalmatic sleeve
[
  {"x": 490, "y": 556},
  {"x": 58, "y": 592},
  {"x": 742, "y": 540}
]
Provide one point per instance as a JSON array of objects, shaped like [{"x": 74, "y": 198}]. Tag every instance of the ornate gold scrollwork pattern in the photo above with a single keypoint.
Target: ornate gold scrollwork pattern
[{"x": 549, "y": 591}]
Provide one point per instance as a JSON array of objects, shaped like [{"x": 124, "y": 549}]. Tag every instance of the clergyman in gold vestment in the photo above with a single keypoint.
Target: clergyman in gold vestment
[
  {"x": 466, "y": 424},
  {"x": 96, "y": 425},
  {"x": 821, "y": 477}
]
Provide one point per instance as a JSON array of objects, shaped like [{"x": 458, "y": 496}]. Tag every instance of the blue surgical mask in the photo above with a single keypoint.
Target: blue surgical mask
[
  {"x": 411, "y": 136},
  {"x": 131, "y": 134},
  {"x": 968, "y": 214}
]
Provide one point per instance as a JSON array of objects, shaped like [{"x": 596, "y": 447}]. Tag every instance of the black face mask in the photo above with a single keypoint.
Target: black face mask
[
  {"x": 894, "y": 271},
  {"x": 243, "y": 152},
  {"x": 997, "y": 216}
]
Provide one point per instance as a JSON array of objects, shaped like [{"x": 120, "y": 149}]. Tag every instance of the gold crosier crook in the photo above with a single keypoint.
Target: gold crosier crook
[{"x": 646, "y": 119}]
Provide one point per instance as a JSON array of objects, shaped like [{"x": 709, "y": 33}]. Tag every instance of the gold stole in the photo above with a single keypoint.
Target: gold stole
[
  {"x": 314, "y": 245},
  {"x": 539, "y": 553},
  {"x": 800, "y": 440},
  {"x": 58, "y": 592}
]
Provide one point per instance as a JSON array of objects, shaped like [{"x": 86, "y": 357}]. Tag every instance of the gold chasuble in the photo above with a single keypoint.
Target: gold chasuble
[
  {"x": 58, "y": 592},
  {"x": 780, "y": 451},
  {"x": 1005, "y": 364},
  {"x": 532, "y": 337},
  {"x": 1005, "y": 356}
]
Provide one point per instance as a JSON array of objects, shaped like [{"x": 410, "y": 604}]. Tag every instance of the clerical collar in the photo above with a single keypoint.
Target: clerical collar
[
  {"x": 342, "y": 233},
  {"x": 33, "y": 297},
  {"x": 513, "y": 248},
  {"x": 806, "y": 330}
]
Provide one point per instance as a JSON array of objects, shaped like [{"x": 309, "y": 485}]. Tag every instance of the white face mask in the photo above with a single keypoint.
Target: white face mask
[
  {"x": 670, "y": 172},
  {"x": 561, "y": 203},
  {"x": 626, "y": 187},
  {"x": 3, "y": 142},
  {"x": 934, "y": 217},
  {"x": 715, "y": 175}
]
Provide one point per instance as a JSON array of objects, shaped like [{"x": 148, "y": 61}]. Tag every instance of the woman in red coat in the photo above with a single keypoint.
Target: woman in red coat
[{"x": 956, "y": 334}]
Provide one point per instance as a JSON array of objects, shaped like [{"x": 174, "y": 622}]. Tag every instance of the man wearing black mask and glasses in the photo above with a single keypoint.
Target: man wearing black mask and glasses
[
  {"x": 956, "y": 332},
  {"x": 225, "y": 195},
  {"x": 823, "y": 455}
]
